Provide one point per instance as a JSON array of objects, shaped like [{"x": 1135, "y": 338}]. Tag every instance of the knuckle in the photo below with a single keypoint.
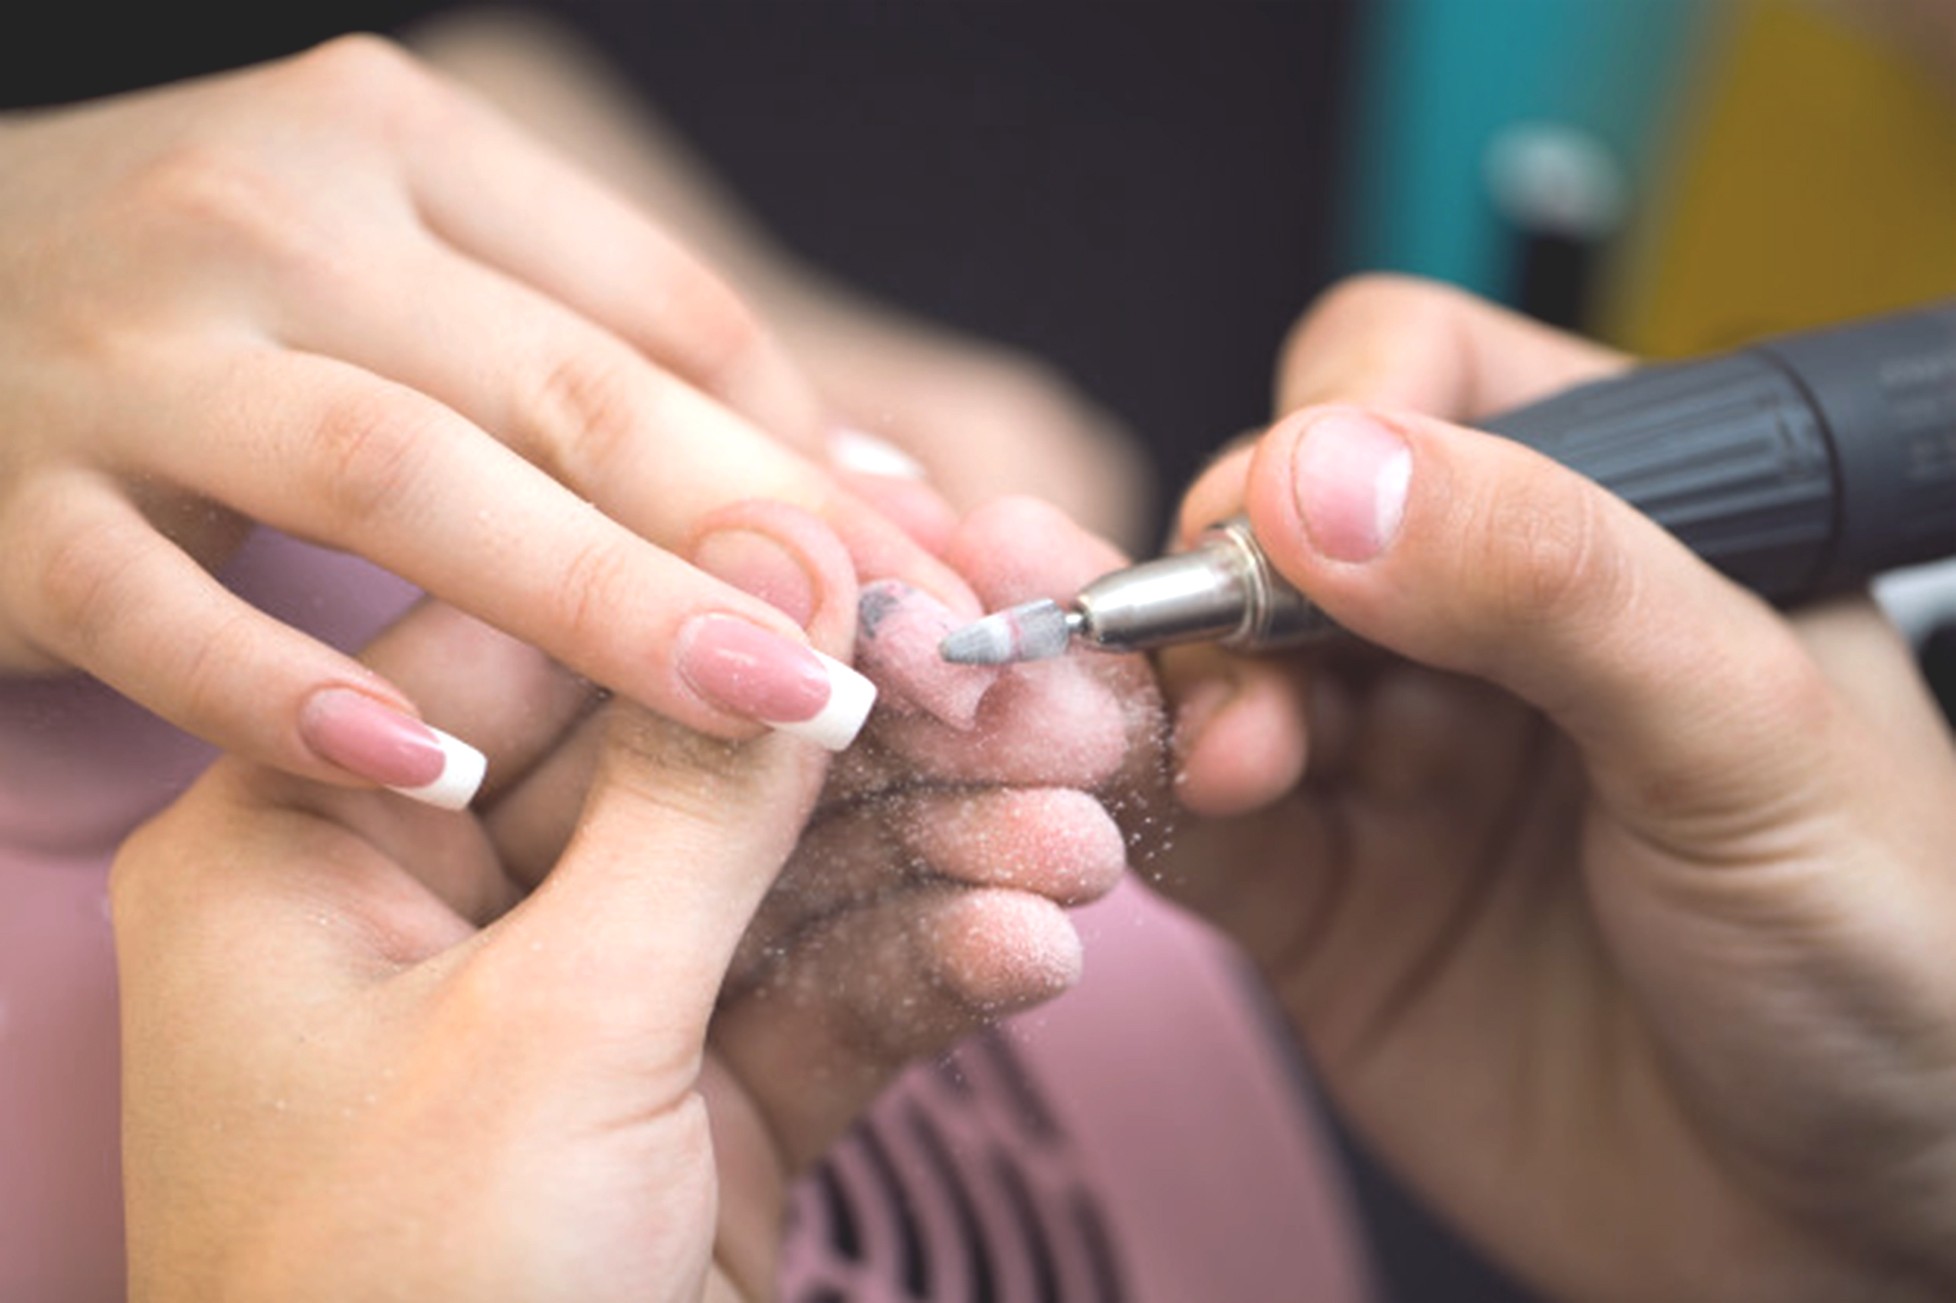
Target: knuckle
[
  {"x": 79, "y": 588},
  {"x": 366, "y": 457},
  {"x": 591, "y": 589},
  {"x": 212, "y": 184},
  {"x": 221, "y": 196},
  {"x": 585, "y": 411},
  {"x": 1544, "y": 557},
  {"x": 361, "y": 73}
]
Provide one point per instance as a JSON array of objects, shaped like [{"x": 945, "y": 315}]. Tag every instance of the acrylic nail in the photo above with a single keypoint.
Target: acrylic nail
[
  {"x": 368, "y": 737},
  {"x": 864, "y": 453},
  {"x": 758, "y": 674},
  {"x": 900, "y": 629},
  {"x": 1350, "y": 475}
]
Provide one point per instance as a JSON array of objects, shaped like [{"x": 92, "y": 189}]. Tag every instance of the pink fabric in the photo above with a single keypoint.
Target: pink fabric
[
  {"x": 1151, "y": 1101},
  {"x": 80, "y": 767}
]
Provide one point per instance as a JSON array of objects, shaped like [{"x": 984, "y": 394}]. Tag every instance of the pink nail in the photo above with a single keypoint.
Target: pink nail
[
  {"x": 365, "y": 736},
  {"x": 1350, "y": 474},
  {"x": 900, "y": 630},
  {"x": 756, "y": 673}
]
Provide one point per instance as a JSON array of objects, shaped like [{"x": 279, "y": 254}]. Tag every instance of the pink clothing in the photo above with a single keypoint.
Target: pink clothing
[
  {"x": 1142, "y": 1138},
  {"x": 80, "y": 766}
]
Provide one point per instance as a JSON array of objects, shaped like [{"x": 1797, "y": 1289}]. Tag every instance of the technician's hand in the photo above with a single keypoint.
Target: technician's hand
[
  {"x": 1614, "y": 907},
  {"x": 337, "y": 296}
]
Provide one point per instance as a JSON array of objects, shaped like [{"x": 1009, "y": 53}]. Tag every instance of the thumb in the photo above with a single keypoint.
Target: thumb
[
  {"x": 632, "y": 931},
  {"x": 1690, "y": 699}
]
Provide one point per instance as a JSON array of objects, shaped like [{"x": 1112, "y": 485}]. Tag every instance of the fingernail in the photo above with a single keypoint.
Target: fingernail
[
  {"x": 1349, "y": 474},
  {"x": 758, "y": 564},
  {"x": 370, "y": 738},
  {"x": 859, "y": 451},
  {"x": 899, "y": 630},
  {"x": 753, "y": 672}
]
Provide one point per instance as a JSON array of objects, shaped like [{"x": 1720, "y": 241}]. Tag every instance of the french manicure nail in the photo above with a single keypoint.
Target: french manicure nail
[
  {"x": 1350, "y": 474},
  {"x": 759, "y": 674},
  {"x": 856, "y": 450},
  {"x": 368, "y": 737}
]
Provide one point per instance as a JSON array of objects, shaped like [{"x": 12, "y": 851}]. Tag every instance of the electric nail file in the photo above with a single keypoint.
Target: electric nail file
[{"x": 1798, "y": 466}]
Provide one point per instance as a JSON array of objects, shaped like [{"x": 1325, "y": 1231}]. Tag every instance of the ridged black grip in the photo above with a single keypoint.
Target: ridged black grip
[
  {"x": 1726, "y": 453},
  {"x": 1797, "y": 466}
]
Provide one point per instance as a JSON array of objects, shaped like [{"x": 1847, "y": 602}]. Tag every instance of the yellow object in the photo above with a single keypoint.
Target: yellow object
[{"x": 1813, "y": 178}]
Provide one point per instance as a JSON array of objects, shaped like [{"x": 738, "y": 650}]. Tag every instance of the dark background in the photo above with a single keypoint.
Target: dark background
[{"x": 1143, "y": 193}]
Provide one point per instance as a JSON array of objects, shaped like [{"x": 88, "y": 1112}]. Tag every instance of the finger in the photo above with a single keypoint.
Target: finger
[
  {"x": 1066, "y": 722},
  {"x": 649, "y": 448},
  {"x": 1242, "y": 733},
  {"x": 522, "y": 705},
  {"x": 641, "y": 441},
  {"x": 1057, "y": 843},
  {"x": 398, "y": 884},
  {"x": 681, "y": 838},
  {"x": 1402, "y": 342},
  {"x": 493, "y": 192},
  {"x": 1381, "y": 340},
  {"x": 768, "y": 549},
  {"x": 105, "y": 592},
  {"x": 517, "y": 702},
  {"x": 1073, "y": 721},
  {"x": 894, "y": 483},
  {"x": 1691, "y": 699},
  {"x": 330, "y": 454},
  {"x": 877, "y": 989},
  {"x": 1872, "y": 664}
]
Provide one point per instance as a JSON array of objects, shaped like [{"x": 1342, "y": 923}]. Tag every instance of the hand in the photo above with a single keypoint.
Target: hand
[
  {"x": 338, "y": 296},
  {"x": 984, "y": 421},
  {"x": 373, "y": 1047},
  {"x": 1610, "y": 903}
]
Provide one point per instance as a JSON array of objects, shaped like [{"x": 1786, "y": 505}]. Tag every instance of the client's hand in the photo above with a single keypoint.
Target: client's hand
[
  {"x": 1613, "y": 906},
  {"x": 340, "y": 296},
  {"x": 371, "y": 1047},
  {"x": 360, "y": 1063}
]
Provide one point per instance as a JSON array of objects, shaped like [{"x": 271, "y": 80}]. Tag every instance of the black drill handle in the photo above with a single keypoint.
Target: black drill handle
[{"x": 1798, "y": 466}]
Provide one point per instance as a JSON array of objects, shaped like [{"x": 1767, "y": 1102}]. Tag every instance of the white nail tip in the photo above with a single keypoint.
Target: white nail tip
[
  {"x": 461, "y": 775},
  {"x": 836, "y": 725},
  {"x": 866, "y": 454}
]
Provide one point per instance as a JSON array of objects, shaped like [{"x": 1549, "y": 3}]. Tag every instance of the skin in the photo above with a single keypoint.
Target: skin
[
  {"x": 342, "y": 296},
  {"x": 1610, "y": 903},
  {"x": 987, "y": 421},
  {"x": 574, "y": 1043}
]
